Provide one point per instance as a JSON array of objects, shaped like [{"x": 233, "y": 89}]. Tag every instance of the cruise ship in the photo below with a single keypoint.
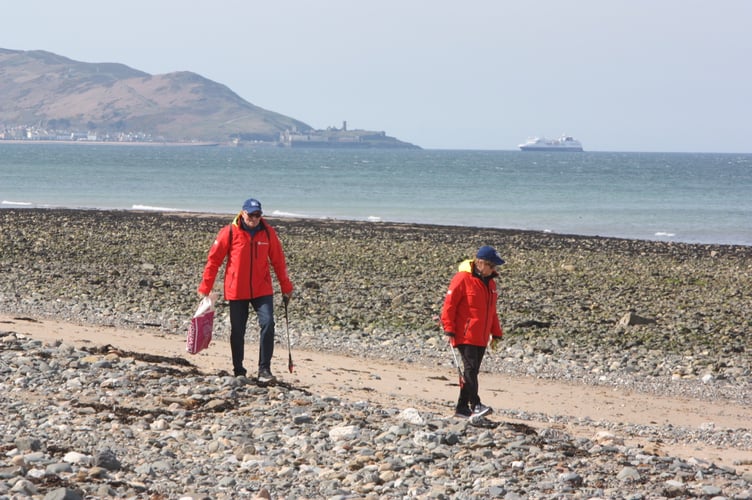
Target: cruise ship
[{"x": 563, "y": 143}]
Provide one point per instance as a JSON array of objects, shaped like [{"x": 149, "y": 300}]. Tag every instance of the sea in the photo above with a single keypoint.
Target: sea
[{"x": 680, "y": 197}]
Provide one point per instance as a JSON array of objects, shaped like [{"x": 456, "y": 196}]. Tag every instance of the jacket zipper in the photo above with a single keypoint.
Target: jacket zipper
[
  {"x": 251, "y": 257},
  {"x": 488, "y": 306}
]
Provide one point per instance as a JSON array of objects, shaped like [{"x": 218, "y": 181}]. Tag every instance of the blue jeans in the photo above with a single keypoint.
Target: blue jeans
[{"x": 264, "y": 308}]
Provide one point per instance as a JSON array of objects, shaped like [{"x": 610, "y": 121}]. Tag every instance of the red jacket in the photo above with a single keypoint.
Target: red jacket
[
  {"x": 470, "y": 308},
  {"x": 247, "y": 274}
]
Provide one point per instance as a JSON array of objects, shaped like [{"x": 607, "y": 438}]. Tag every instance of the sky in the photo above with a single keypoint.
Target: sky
[{"x": 619, "y": 75}]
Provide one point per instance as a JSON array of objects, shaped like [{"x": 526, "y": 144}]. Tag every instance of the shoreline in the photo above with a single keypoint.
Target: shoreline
[
  {"x": 558, "y": 292},
  {"x": 366, "y": 288},
  {"x": 12, "y": 205},
  {"x": 656, "y": 423},
  {"x": 364, "y": 335}
]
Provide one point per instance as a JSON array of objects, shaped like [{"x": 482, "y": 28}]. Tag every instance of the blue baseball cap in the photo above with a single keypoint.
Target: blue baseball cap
[
  {"x": 489, "y": 254},
  {"x": 252, "y": 205}
]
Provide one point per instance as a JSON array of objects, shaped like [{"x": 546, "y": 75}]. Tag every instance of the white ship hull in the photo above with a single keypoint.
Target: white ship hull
[{"x": 563, "y": 143}]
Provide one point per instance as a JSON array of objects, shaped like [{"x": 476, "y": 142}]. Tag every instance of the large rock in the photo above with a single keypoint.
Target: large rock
[{"x": 631, "y": 319}]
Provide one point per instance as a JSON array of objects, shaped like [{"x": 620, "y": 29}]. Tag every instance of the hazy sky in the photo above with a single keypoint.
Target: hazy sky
[{"x": 620, "y": 75}]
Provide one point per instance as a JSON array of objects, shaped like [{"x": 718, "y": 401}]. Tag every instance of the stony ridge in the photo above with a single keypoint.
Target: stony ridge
[{"x": 101, "y": 423}]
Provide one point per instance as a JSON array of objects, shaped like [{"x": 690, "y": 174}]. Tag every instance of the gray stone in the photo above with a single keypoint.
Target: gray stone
[
  {"x": 63, "y": 494},
  {"x": 58, "y": 468},
  {"x": 631, "y": 319},
  {"x": 28, "y": 444},
  {"x": 628, "y": 474},
  {"x": 107, "y": 460}
]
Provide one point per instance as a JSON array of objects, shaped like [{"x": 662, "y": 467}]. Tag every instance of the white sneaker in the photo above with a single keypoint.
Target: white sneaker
[
  {"x": 480, "y": 409},
  {"x": 266, "y": 377}
]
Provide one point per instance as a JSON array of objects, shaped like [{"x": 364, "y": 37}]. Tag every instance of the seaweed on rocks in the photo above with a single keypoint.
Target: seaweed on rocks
[
  {"x": 142, "y": 356},
  {"x": 374, "y": 289}
]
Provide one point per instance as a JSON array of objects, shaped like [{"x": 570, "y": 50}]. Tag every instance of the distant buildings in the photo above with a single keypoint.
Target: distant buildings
[
  {"x": 35, "y": 133},
  {"x": 332, "y": 137}
]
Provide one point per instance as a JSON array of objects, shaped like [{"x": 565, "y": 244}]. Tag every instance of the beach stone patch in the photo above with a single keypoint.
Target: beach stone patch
[
  {"x": 369, "y": 290},
  {"x": 255, "y": 445}
]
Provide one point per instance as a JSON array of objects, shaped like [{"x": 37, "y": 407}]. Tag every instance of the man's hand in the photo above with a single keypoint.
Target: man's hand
[
  {"x": 286, "y": 298},
  {"x": 213, "y": 296},
  {"x": 495, "y": 341}
]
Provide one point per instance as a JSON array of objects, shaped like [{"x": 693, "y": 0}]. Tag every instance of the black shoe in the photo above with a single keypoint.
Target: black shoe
[
  {"x": 463, "y": 412},
  {"x": 265, "y": 376},
  {"x": 480, "y": 409},
  {"x": 240, "y": 373}
]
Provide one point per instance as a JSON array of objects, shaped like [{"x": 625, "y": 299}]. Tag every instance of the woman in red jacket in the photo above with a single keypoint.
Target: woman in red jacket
[
  {"x": 250, "y": 245},
  {"x": 470, "y": 320}
]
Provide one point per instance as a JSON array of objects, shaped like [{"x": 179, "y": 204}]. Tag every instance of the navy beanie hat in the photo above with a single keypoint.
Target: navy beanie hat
[
  {"x": 489, "y": 254},
  {"x": 252, "y": 205}
]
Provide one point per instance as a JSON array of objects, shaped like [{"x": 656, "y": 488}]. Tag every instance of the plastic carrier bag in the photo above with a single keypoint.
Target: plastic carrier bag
[{"x": 200, "y": 330}]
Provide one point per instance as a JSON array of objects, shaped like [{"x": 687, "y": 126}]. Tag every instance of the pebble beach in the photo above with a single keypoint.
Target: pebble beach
[{"x": 657, "y": 318}]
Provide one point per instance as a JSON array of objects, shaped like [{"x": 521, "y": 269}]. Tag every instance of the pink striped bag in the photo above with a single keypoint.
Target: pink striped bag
[{"x": 200, "y": 330}]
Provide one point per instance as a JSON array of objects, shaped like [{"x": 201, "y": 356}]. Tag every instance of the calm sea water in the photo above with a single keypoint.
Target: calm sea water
[{"x": 697, "y": 198}]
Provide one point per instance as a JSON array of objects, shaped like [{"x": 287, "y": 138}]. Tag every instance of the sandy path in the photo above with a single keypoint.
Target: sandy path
[{"x": 435, "y": 389}]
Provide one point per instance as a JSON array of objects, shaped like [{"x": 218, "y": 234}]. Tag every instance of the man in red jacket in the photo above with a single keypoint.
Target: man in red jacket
[
  {"x": 250, "y": 245},
  {"x": 470, "y": 320}
]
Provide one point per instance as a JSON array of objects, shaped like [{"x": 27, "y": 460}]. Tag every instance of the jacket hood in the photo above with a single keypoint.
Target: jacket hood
[{"x": 466, "y": 266}]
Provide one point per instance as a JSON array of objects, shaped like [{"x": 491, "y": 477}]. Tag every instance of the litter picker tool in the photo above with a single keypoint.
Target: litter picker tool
[
  {"x": 457, "y": 365},
  {"x": 454, "y": 355},
  {"x": 290, "y": 366}
]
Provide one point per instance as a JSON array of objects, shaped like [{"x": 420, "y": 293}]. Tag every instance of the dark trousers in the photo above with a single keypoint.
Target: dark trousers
[
  {"x": 264, "y": 308},
  {"x": 472, "y": 357}
]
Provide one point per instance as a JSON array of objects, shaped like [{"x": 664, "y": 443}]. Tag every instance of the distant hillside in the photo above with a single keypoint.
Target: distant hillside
[{"x": 58, "y": 95}]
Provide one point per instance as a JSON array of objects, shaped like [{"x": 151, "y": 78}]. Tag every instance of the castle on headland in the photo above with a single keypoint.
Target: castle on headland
[{"x": 334, "y": 137}]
